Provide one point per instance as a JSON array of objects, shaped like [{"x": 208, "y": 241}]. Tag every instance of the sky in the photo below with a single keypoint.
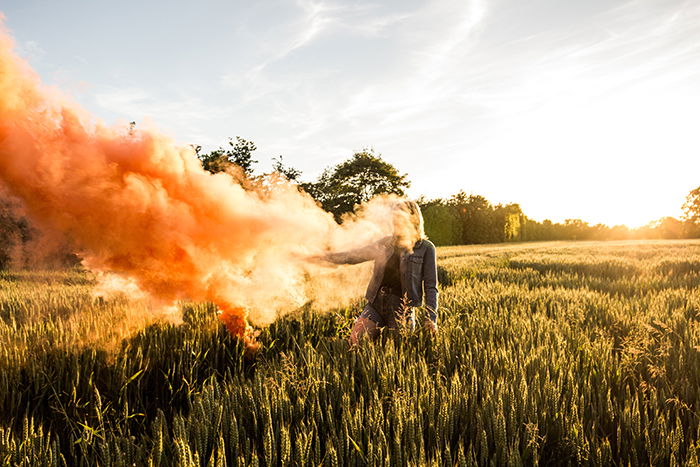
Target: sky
[{"x": 573, "y": 109}]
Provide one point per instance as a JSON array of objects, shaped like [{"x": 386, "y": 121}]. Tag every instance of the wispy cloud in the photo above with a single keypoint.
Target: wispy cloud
[
  {"x": 317, "y": 16},
  {"x": 184, "y": 116},
  {"x": 633, "y": 50},
  {"x": 313, "y": 18},
  {"x": 433, "y": 41},
  {"x": 31, "y": 51}
]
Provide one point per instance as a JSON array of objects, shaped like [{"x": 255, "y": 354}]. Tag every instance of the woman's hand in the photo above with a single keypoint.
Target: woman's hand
[
  {"x": 430, "y": 326},
  {"x": 318, "y": 260}
]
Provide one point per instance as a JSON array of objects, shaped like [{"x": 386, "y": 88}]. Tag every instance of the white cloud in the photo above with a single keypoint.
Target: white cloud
[
  {"x": 182, "y": 116},
  {"x": 313, "y": 18},
  {"x": 31, "y": 51}
]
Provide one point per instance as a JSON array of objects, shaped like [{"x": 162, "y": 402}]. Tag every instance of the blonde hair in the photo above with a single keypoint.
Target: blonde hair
[{"x": 415, "y": 217}]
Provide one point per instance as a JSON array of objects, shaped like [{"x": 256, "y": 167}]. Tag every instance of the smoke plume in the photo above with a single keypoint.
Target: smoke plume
[{"x": 137, "y": 205}]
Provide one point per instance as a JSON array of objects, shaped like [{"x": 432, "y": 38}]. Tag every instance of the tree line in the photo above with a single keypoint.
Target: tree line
[
  {"x": 458, "y": 220},
  {"x": 469, "y": 219}
]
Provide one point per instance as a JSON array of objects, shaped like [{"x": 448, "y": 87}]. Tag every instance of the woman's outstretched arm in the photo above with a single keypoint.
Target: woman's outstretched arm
[{"x": 356, "y": 256}]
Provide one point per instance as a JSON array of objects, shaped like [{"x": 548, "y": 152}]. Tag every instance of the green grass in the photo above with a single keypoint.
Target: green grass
[{"x": 548, "y": 353}]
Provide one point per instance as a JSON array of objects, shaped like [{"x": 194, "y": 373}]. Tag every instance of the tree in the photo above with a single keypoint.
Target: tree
[
  {"x": 509, "y": 222},
  {"x": 239, "y": 153},
  {"x": 288, "y": 172},
  {"x": 358, "y": 179},
  {"x": 442, "y": 224},
  {"x": 575, "y": 229},
  {"x": 477, "y": 216},
  {"x": 14, "y": 231},
  {"x": 691, "y": 207},
  {"x": 669, "y": 227}
]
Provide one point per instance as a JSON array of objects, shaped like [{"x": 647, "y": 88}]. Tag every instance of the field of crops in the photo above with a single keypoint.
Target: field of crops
[{"x": 549, "y": 353}]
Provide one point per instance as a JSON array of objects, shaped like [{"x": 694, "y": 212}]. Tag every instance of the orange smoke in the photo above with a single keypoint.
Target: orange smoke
[
  {"x": 135, "y": 204},
  {"x": 235, "y": 323}
]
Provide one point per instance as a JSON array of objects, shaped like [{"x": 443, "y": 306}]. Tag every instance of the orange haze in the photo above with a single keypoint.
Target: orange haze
[{"x": 138, "y": 205}]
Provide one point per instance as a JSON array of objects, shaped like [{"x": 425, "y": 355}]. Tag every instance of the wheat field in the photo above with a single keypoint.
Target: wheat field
[{"x": 548, "y": 354}]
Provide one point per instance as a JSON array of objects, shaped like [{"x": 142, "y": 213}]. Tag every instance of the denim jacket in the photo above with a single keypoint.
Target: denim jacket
[{"x": 418, "y": 271}]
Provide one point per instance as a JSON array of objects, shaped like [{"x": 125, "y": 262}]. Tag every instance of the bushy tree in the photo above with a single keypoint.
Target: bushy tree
[
  {"x": 576, "y": 229},
  {"x": 14, "y": 231},
  {"x": 288, "y": 172},
  {"x": 691, "y": 207},
  {"x": 442, "y": 224},
  {"x": 670, "y": 227},
  {"x": 238, "y": 152},
  {"x": 509, "y": 220},
  {"x": 22, "y": 245},
  {"x": 356, "y": 180},
  {"x": 476, "y": 216}
]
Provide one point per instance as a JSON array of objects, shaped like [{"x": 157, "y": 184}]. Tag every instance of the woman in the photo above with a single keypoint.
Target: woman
[{"x": 404, "y": 267}]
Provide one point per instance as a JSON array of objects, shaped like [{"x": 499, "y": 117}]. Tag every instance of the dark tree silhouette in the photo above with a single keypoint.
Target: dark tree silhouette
[
  {"x": 358, "y": 179},
  {"x": 238, "y": 153},
  {"x": 288, "y": 172}
]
